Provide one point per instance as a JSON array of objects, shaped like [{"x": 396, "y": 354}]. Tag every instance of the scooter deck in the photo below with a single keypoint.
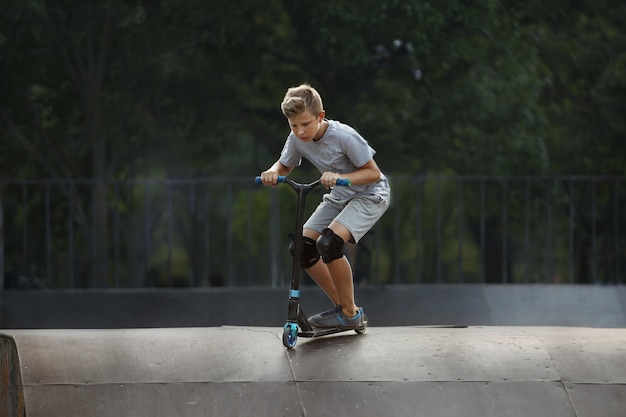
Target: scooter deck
[
  {"x": 306, "y": 330},
  {"x": 321, "y": 332}
]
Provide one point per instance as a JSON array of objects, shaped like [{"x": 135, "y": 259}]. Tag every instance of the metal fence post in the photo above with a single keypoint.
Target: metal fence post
[
  {"x": 1, "y": 243},
  {"x": 274, "y": 243}
]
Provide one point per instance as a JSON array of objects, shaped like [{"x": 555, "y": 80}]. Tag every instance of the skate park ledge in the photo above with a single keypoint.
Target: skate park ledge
[
  {"x": 488, "y": 351},
  {"x": 429, "y": 371}
]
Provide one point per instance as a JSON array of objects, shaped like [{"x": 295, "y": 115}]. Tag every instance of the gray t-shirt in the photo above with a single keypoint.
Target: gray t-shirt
[{"x": 342, "y": 150}]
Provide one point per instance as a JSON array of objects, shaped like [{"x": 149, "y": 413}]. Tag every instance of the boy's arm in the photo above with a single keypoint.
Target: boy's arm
[
  {"x": 270, "y": 177},
  {"x": 367, "y": 174}
]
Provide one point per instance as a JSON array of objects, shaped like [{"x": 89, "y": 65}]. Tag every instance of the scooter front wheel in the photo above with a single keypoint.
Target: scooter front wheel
[{"x": 290, "y": 335}]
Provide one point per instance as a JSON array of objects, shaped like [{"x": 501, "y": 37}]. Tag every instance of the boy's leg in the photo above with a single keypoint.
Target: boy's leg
[
  {"x": 346, "y": 315},
  {"x": 320, "y": 272},
  {"x": 341, "y": 274},
  {"x": 335, "y": 278},
  {"x": 360, "y": 215}
]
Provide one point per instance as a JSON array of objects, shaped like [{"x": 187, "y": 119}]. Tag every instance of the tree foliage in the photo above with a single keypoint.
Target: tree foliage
[
  {"x": 122, "y": 90},
  {"x": 161, "y": 88}
]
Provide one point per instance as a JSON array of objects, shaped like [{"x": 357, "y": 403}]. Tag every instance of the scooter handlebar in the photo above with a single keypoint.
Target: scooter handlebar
[
  {"x": 281, "y": 178},
  {"x": 344, "y": 182}
]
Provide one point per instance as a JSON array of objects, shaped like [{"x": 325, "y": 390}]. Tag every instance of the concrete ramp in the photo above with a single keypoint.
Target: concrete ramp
[{"x": 245, "y": 371}]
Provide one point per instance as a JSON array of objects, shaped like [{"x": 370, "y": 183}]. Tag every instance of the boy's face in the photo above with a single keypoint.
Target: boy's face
[{"x": 306, "y": 126}]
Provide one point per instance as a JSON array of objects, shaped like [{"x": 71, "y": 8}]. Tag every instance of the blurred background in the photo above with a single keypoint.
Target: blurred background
[{"x": 132, "y": 132}]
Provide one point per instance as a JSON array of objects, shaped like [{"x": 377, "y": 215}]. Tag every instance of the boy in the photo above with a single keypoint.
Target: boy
[{"x": 346, "y": 213}]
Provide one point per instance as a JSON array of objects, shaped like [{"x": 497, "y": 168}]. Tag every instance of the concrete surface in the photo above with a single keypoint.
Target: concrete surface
[{"x": 389, "y": 371}]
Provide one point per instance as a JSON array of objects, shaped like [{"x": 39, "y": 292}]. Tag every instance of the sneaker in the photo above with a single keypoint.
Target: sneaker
[{"x": 336, "y": 319}]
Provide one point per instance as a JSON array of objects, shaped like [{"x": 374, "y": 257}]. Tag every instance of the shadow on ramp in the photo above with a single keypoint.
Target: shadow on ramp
[{"x": 245, "y": 371}]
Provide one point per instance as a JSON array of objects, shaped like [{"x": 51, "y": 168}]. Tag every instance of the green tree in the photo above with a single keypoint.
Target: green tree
[{"x": 161, "y": 89}]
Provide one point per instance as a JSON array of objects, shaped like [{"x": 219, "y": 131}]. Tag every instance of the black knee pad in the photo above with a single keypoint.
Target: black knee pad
[
  {"x": 329, "y": 245},
  {"x": 310, "y": 256}
]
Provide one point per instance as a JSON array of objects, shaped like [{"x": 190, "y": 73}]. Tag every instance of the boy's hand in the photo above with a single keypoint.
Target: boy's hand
[
  {"x": 329, "y": 179},
  {"x": 269, "y": 178}
]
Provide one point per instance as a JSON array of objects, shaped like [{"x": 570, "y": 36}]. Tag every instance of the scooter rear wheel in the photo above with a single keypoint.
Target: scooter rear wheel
[{"x": 361, "y": 330}]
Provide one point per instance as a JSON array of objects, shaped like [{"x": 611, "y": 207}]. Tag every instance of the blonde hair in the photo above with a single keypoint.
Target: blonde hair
[{"x": 300, "y": 99}]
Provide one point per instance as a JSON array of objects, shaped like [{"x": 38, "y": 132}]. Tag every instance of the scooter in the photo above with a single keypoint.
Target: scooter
[{"x": 297, "y": 322}]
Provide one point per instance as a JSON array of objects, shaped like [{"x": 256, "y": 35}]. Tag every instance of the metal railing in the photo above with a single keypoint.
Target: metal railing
[{"x": 230, "y": 231}]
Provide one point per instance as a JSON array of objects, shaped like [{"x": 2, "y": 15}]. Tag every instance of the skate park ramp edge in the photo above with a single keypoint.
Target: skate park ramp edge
[{"x": 428, "y": 371}]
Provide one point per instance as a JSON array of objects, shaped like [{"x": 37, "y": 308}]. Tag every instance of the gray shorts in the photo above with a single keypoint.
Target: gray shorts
[{"x": 357, "y": 215}]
